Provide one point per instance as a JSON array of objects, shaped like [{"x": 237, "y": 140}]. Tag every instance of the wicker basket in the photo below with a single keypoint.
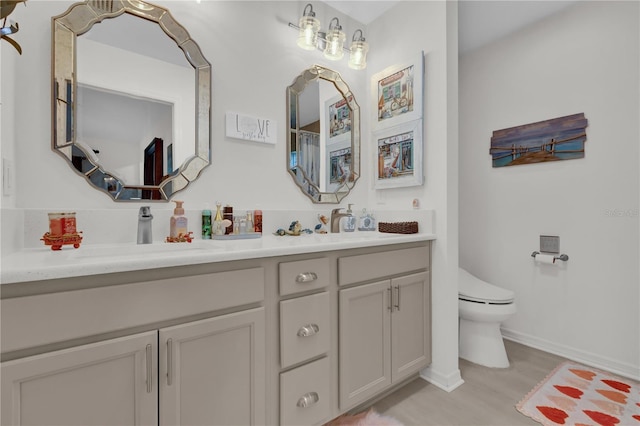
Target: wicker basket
[{"x": 398, "y": 227}]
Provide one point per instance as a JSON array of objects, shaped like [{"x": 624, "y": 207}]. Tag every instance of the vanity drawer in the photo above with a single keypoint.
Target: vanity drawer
[
  {"x": 304, "y": 394},
  {"x": 304, "y": 328},
  {"x": 303, "y": 275},
  {"x": 365, "y": 267}
]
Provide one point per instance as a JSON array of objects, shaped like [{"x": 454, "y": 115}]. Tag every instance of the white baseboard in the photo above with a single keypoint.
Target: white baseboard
[
  {"x": 593, "y": 360},
  {"x": 446, "y": 382}
]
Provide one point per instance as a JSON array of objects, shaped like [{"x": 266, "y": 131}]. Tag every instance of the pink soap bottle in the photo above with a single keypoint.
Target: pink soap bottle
[{"x": 178, "y": 223}]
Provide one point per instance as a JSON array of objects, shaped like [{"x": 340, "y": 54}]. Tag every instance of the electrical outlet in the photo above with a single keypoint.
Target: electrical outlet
[
  {"x": 7, "y": 177},
  {"x": 549, "y": 244}
]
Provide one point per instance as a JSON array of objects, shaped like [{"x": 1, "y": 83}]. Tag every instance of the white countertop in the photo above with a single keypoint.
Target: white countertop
[{"x": 42, "y": 263}]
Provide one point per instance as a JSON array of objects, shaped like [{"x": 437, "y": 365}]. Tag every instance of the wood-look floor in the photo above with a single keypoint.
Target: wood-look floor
[{"x": 487, "y": 397}]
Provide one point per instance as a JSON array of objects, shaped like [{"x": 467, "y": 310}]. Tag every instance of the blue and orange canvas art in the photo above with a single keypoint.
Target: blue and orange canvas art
[{"x": 560, "y": 138}]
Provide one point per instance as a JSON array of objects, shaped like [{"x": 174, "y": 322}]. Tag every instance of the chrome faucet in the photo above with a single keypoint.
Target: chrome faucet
[
  {"x": 144, "y": 225},
  {"x": 336, "y": 215}
]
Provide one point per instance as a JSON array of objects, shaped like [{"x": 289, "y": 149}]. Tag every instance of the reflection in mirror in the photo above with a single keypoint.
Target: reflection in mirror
[
  {"x": 124, "y": 99},
  {"x": 323, "y": 154}
]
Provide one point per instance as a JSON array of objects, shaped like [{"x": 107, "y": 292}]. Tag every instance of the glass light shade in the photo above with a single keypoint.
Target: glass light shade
[
  {"x": 358, "y": 55},
  {"x": 308, "y": 36},
  {"x": 335, "y": 43}
]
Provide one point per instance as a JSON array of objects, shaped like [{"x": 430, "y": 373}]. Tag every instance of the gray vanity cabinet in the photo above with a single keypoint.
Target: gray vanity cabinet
[
  {"x": 110, "y": 382},
  {"x": 212, "y": 371},
  {"x": 283, "y": 340},
  {"x": 305, "y": 342},
  {"x": 385, "y": 325},
  {"x": 183, "y": 350}
]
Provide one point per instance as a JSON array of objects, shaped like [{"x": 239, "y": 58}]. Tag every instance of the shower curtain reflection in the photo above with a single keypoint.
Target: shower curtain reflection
[{"x": 309, "y": 156}]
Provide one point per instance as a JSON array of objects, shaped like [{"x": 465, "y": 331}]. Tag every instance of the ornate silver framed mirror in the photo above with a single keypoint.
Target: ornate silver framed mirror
[
  {"x": 125, "y": 113},
  {"x": 323, "y": 138}
]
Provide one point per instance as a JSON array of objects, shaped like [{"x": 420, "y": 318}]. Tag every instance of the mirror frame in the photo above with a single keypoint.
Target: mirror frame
[
  {"x": 77, "y": 20},
  {"x": 315, "y": 73}
]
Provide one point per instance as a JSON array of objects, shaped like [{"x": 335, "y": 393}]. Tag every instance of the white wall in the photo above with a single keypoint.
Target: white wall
[{"x": 584, "y": 59}]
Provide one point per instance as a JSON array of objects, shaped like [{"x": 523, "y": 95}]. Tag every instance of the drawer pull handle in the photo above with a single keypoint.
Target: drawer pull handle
[
  {"x": 308, "y": 330},
  {"x": 307, "y": 399},
  {"x": 306, "y": 277}
]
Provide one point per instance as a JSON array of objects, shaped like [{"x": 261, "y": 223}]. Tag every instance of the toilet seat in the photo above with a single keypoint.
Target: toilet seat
[{"x": 473, "y": 289}]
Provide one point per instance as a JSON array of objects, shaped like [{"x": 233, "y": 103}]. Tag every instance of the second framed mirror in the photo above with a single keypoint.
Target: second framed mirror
[{"x": 323, "y": 138}]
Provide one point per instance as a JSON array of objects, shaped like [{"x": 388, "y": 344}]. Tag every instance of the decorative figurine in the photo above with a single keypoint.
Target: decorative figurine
[
  {"x": 295, "y": 229},
  {"x": 321, "y": 228},
  {"x": 181, "y": 238}
]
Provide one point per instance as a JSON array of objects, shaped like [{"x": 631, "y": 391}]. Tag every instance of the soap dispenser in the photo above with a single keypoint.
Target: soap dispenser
[
  {"x": 349, "y": 221},
  {"x": 178, "y": 222}
]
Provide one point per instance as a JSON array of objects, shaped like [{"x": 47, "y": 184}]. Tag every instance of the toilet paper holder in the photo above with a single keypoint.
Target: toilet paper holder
[{"x": 562, "y": 257}]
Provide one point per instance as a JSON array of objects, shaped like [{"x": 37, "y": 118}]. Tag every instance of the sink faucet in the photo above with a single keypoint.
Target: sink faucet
[
  {"x": 336, "y": 215},
  {"x": 144, "y": 225}
]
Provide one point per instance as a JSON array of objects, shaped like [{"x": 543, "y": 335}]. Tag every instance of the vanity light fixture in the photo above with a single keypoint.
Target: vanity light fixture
[
  {"x": 331, "y": 43},
  {"x": 358, "y": 51},
  {"x": 335, "y": 41},
  {"x": 309, "y": 27}
]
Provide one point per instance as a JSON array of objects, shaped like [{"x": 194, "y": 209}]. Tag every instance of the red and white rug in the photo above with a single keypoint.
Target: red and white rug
[
  {"x": 577, "y": 395},
  {"x": 366, "y": 418}
]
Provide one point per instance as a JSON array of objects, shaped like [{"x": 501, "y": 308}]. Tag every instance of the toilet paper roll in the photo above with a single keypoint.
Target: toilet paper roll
[{"x": 546, "y": 258}]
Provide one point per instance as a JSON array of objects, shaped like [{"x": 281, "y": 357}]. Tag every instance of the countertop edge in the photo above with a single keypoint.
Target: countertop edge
[{"x": 42, "y": 264}]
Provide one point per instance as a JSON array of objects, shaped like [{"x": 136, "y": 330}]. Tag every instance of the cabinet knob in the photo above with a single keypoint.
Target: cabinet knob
[
  {"x": 307, "y": 399},
  {"x": 306, "y": 277},
  {"x": 308, "y": 330}
]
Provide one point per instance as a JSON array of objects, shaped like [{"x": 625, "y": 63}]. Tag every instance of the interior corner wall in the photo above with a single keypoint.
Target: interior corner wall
[
  {"x": 397, "y": 38},
  {"x": 583, "y": 59}
]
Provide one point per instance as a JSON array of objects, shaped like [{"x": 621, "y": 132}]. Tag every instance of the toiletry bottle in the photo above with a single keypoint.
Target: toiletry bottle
[
  {"x": 365, "y": 221},
  {"x": 227, "y": 213},
  {"x": 349, "y": 221},
  {"x": 250, "y": 228},
  {"x": 206, "y": 223},
  {"x": 257, "y": 221},
  {"x": 178, "y": 223},
  {"x": 217, "y": 221},
  {"x": 372, "y": 222}
]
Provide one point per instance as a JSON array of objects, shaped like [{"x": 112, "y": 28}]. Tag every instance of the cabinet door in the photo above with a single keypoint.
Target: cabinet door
[
  {"x": 410, "y": 325},
  {"x": 212, "y": 372},
  {"x": 365, "y": 354},
  {"x": 106, "y": 383}
]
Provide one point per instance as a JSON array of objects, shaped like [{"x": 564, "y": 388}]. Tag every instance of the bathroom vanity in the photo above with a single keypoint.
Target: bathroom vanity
[{"x": 278, "y": 330}]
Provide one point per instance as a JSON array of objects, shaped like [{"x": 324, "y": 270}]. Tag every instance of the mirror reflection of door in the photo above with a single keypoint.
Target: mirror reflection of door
[
  {"x": 153, "y": 167},
  {"x": 124, "y": 99}
]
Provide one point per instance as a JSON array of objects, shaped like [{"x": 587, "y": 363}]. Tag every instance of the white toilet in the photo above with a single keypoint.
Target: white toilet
[{"x": 482, "y": 307}]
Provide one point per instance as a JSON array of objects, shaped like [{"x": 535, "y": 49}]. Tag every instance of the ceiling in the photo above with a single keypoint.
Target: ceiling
[{"x": 479, "y": 21}]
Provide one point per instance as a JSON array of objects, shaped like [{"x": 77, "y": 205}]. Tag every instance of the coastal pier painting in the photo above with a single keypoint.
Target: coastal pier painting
[{"x": 551, "y": 140}]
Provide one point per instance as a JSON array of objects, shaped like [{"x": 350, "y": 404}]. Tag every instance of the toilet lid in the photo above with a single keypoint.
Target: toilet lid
[{"x": 474, "y": 289}]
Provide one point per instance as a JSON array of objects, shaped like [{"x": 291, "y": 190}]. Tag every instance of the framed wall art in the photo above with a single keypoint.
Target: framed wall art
[
  {"x": 397, "y": 93},
  {"x": 561, "y": 138},
  {"x": 399, "y": 156}
]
